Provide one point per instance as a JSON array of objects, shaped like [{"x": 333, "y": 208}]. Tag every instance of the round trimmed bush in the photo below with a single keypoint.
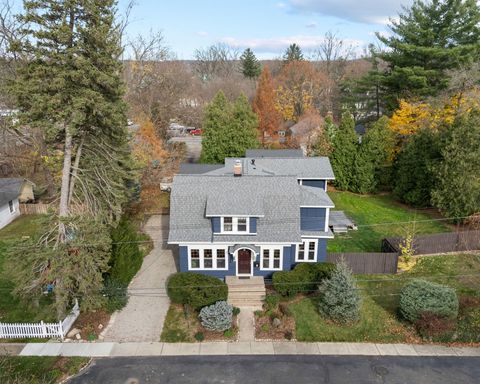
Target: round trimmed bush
[
  {"x": 195, "y": 289},
  {"x": 217, "y": 317},
  {"x": 305, "y": 277},
  {"x": 420, "y": 296}
]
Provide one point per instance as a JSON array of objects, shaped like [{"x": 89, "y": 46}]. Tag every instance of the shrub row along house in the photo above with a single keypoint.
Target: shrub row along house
[{"x": 251, "y": 216}]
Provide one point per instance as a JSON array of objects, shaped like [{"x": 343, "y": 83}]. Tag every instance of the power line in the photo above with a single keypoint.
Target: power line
[{"x": 263, "y": 223}]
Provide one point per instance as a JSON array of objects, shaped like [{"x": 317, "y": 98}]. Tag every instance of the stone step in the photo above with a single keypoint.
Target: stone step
[
  {"x": 247, "y": 294},
  {"x": 246, "y": 289},
  {"x": 256, "y": 304}
]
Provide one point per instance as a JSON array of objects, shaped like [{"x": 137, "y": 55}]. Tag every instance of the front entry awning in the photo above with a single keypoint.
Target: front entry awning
[{"x": 234, "y": 248}]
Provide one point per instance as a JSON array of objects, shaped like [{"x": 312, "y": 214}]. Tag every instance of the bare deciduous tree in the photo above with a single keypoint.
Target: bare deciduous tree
[{"x": 218, "y": 60}]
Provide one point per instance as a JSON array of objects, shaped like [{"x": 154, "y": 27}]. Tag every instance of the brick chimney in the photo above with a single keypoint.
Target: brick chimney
[{"x": 237, "y": 168}]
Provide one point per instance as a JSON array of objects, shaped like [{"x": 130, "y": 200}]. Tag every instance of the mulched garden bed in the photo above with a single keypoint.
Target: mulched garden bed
[
  {"x": 91, "y": 324},
  {"x": 267, "y": 328},
  {"x": 185, "y": 326}
]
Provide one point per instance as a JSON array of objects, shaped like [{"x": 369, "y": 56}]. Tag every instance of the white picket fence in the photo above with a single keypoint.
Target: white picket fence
[{"x": 40, "y": 330}]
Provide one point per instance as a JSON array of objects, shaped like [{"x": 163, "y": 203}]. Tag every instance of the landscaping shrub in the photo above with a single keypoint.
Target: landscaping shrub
[
  {"x": 287, "y": 283},
  {"x": 236, "y": 311},
  {"x": 217, "y": 317},
  {"x": 305, "y": 277},
  {"x": 228, "y": 333},
  {"x": 116, "y": 293},
  {"x": 271, "y": 301},
  {"x": 420, "y": 296},
  {"x": 434, "y": 327},
  {"x": 126, "y": 258},
  {"x": 195, "y": 289},
  {"x": 199, "y": 336},
  {"x": 340, "y": 300}
]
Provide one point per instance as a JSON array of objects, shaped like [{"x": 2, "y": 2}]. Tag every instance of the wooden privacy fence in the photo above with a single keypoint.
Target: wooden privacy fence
[
  {"x": 437, "y": 243},
  {"x": 374, "y": 262},
  {"x": 39, "y": 330},
  {"x": 34, "y": 209},
  {"x": 41, "y": 208}
]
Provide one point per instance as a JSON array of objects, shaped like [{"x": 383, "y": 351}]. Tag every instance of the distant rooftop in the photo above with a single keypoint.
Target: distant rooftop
[
  {"x": 276, "y": 153},
  {"x": 197, "y": 169}
]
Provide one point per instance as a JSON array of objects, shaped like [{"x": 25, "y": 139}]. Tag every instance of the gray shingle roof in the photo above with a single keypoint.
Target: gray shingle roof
[
  {"x": 302, "y": 168},
  {"x": 9, "y": 189},
  {"x": 314, "y": 197},
  {"x": 279, "y": 197},
  {"x": 197, "y": 169},
  {"x": 230, "y": 202},
  {"x": 256, "y": 153}
]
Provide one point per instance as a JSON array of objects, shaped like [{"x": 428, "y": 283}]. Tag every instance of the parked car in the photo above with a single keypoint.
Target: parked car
[
  {"x": 196, "y": 132},
  {"x": 166, "y": 184}
]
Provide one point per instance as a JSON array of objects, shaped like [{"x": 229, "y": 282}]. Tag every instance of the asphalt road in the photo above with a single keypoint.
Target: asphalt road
[{"x": 282, "y": 369}]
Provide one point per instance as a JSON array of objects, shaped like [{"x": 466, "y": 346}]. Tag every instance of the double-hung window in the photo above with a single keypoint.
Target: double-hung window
[
  {"x": 235, "y": 225},
  {"x": 307, "y": 251},
  {"x": 207, "y": 258},
  {"x": 271, "y": 258}
]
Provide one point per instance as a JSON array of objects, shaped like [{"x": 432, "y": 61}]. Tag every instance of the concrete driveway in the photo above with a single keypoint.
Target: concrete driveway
[{"x": 142, "y": 319}]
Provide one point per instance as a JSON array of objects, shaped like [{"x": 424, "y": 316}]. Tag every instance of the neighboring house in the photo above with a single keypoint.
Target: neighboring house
[
  {"x": 252, "y": 216},
  {"x": 12, "y": 192}
]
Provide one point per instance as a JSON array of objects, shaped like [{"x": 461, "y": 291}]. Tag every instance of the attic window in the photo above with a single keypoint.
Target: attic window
[{"x": 235, "y": 225}]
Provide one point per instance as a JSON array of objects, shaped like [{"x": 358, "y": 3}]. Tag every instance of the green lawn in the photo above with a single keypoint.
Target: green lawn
[
  {"x": 380, "y": 294},
  {"x": 38, "y": 370},
  {"x": 11, "y": 308},
  {"x": 377, "y": 217}
]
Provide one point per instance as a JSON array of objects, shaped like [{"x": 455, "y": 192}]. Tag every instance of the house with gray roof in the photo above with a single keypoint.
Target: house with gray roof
[
  {"x": 251, "y": 216},
  {"x": 12, "y": 191}
]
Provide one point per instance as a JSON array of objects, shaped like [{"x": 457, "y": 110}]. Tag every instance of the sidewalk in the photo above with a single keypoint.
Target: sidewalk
[{"x": 107, "y": 349}]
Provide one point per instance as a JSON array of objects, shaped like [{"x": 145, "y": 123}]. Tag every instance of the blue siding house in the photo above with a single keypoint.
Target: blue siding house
[{"x": 251, "y": 216}]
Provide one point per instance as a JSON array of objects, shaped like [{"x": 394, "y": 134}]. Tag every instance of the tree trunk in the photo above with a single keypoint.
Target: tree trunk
[
  {"x": 64, "y": 191},
  {"x": 76, "y": 164}
]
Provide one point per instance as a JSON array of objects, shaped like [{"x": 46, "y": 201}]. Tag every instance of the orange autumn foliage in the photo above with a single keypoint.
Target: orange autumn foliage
[
  {"x": 148, "y": 148},
  {"x": 264, "y": 106}
]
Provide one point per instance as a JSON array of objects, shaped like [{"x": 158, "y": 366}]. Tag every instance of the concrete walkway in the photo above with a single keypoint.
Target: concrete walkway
[
  {"x": 246, "y": 324},
  {"x": 240, "y": 348},
  {"x": 142, "y": 319}
]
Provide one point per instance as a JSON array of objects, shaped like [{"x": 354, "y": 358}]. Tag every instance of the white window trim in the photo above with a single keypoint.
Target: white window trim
[
  {"x": 270, "y": 263},
  {"x": 327, "y": 219},
  {"x": 235, "y": 230},
  {"x": 11, "y": 207},
  {"x": 201, "y": 250},
  {"x": 306, "y": 244}
]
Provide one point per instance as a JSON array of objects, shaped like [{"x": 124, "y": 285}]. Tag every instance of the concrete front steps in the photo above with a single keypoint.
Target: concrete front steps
[{"x": 246, "y": 292}]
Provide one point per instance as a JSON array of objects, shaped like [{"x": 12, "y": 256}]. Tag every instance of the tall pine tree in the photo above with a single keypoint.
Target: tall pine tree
[
  {"x": 429, "y": 39},
  {"x": 293, "y": 53},
  {"x": 251, "y": 68},
  {"x": 70, "y": 89}
]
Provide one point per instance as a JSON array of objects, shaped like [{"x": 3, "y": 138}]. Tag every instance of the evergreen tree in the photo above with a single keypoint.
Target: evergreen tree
[
  {"x": 330, "y": 128},
  {"x": 251, "y": 68},
  {"x": 293, "y": 53},
  {"x": 70, "y": 89},
  {"x": 264, "y": 106},
  {"x": 429, "y": 39},
  {"x": 344, "y": 145},
  {"x": 229, "y": 130},
  {"x": 340, "y": 300},
  {"x": 366, "y": 96},
  {"x": 414, "y": 177},
  {"x": 457, "y": 192}
]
